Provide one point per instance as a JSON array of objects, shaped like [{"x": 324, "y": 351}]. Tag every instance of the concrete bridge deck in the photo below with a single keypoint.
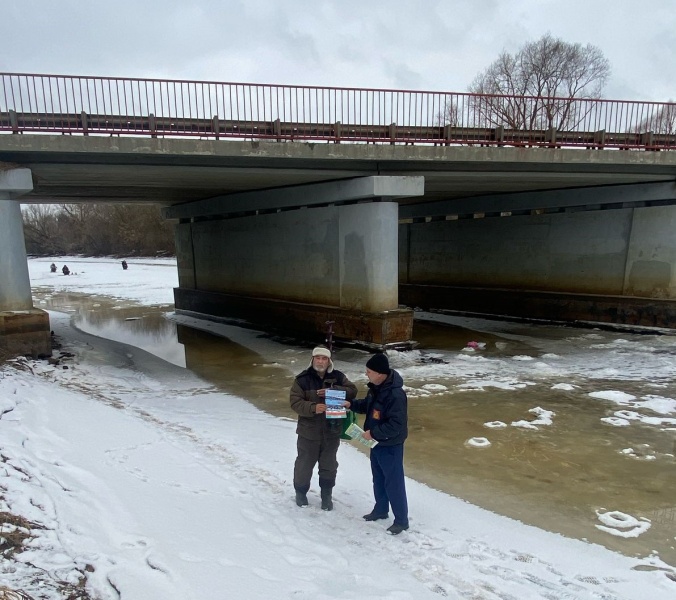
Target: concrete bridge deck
[{"x": 172, "y": 171}]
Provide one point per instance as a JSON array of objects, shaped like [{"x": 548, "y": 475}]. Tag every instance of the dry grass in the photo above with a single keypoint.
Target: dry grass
[
  {"x": 14, "y": 531},
  {"x": 7, "y": 594}
]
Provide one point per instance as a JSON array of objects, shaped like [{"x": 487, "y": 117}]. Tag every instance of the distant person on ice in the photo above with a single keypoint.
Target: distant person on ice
[
  {"x": 318, "y": 437},
  {"x": 65, "y": 270},
  {"x": 124, "y": 265},
  {"x": 385, "y": 407},
  {"x": 52, "y": 268}
]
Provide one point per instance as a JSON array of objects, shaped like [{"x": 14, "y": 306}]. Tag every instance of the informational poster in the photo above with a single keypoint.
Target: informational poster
[{"x": 334, "y": 404}]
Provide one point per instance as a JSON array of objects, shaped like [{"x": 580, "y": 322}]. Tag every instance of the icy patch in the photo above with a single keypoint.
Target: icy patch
[
  {"x": 412, "y": 392},
  {"x": 551, "y": 356},
  {"x": 621, "y": 524},
  {"x": 542, "y": 366},
  {"x": 659, "y": 404},
  {"x": 632, "y": 415},
  {"x": 657, "y": 421},
  {"x": 524, "y": 424},
  {"x": 567, "y": 387},
  {"x": 544, "y": 418},
  {"x": 644, "y": 452},
  {"x": 522, "y": 357},
  {"x": 402, "y": 359},
  {"x": 471, "y": 357},
  {"x": 495, "y": 425},
  {"x": 614, "y": 396},
  {"x": 502, "y": 385},
  {"x": 616, "y": 422},
  {"x": 628, "y": 414},
  {"x": 478, "y": 442},
  {"x": 434, "y": 387}
]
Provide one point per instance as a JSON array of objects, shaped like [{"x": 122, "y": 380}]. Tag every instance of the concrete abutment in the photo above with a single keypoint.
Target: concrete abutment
[{"x": 23, "y": 328}]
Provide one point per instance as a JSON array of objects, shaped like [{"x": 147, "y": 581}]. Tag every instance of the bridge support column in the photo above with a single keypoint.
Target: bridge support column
[
  {"x": 23, "y": 329},
  {"x": 298, "y": 268}
]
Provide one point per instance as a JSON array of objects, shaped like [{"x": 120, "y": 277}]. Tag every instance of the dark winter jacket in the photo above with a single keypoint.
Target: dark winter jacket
[
  {"x": 304, "y": 398},
  {"x": 385, "y": 407}
]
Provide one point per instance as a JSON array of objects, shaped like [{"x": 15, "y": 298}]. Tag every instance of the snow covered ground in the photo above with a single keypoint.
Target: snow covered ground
[{"x": 158, "y": 485}]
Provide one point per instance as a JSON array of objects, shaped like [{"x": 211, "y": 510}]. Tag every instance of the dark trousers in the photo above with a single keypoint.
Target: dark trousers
[
  {"x": 311, "y": 452},
  {"x": 389, "y": 488}
]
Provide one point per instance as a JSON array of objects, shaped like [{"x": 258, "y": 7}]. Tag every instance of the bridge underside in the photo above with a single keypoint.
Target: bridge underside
[
  {"x": 308, "y": 256},
  {"x": 295, "y": 235},
  {"x": 604, "y": 254},
  {"x": 175, "y": 171}
]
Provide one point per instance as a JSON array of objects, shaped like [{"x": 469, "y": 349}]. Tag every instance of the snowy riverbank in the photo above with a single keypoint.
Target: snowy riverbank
[{"x": 158, "y": 485}]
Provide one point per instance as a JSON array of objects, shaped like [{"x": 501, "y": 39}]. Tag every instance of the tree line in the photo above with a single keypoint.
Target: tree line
[{"x": 97, "y": 230}]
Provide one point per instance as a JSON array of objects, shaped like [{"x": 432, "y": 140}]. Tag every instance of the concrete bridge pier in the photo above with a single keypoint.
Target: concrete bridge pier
[
  {"x": 601, "y": 254},
  {"x": 306, "y": 255},
  {"x": 23, "y": 329}
]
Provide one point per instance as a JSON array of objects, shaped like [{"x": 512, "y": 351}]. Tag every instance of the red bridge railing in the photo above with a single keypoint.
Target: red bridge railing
[{"x": 32, "y": 103}]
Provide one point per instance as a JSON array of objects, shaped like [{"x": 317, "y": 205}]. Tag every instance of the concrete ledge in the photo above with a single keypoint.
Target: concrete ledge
[
  {"x": 373, "y": 330},
  {"x": 25, "y": 332},
  {"x": 15, "y": 182},
  {"x": 551, "y": 306},
  {"x": 374, "y": 187}
]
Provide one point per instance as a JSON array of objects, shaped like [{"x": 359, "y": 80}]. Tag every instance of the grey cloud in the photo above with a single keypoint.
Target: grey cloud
[{"x": 435, "y": 44}]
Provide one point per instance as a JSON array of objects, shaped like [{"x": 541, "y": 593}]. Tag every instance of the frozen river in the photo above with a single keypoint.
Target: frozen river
[{"x": 572, "y": 430}]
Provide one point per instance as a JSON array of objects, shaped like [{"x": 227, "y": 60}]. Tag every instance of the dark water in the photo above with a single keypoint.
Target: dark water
[{"x": 556, "y": 477}]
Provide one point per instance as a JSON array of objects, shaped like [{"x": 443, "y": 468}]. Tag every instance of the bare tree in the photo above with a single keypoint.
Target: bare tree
[
  {"x": 40, "y": 228},
  {"x": 449, "y": 113},
  {"x": 540, "y": 82}
]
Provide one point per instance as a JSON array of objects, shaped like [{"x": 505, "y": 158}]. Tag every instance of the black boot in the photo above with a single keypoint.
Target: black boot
[
  {"x": 374, "y": 516},
  {"x": 327, "y": 501},
  {"x": 301, "y": 498}
]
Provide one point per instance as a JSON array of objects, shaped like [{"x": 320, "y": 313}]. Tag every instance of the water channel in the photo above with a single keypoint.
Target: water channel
[{"x": 559, "y": 476}]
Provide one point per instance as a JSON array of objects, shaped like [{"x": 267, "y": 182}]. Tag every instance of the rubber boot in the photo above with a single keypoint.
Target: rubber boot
[
  {"x": 327, "y": 501},
  {"x": 301, "y": 499}
]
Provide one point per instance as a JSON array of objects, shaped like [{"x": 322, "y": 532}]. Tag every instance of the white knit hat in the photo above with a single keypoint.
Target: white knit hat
[{"x": 322, "y": 351}]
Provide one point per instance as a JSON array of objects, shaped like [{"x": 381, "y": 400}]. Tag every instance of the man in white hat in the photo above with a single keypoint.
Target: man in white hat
[{"x": 318, "y": 437}]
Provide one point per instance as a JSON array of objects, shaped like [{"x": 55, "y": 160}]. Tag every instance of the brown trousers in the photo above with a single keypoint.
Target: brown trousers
[{"x": 311, "y": 452}]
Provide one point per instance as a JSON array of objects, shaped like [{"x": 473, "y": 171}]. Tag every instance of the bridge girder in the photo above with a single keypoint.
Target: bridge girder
[{"x": 172, "y": 171}]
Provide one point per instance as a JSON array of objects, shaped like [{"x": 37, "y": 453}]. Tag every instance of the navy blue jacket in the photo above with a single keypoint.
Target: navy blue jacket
[{"x": 385, "y": 407}]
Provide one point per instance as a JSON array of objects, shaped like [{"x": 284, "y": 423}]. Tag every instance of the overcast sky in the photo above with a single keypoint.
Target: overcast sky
[{"x": 404, "y": 44}]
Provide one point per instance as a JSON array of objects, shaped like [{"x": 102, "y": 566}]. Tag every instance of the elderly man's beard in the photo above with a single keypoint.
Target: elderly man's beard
[{"x": 321, "y": 369}]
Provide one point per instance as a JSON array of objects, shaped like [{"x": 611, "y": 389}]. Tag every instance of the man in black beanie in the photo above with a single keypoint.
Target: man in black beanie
[{"x": 385, "y": 407}]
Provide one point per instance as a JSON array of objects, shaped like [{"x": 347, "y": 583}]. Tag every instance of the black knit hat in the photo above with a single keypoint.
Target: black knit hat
[{"x": 379, "y": 364}]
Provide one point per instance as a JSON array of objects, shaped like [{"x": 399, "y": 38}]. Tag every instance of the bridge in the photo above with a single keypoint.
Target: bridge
[{"x": 312, "y": 204}]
